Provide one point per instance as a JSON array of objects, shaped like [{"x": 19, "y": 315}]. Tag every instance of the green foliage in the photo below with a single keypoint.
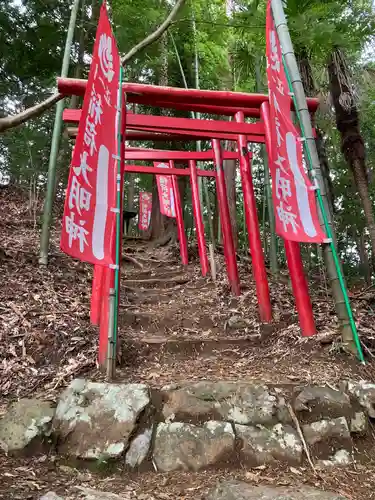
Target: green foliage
[{"x": 230, "y": 42}]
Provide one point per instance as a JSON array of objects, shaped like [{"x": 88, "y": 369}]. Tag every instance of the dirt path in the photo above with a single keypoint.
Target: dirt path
[{"x": 174, "y": 326}]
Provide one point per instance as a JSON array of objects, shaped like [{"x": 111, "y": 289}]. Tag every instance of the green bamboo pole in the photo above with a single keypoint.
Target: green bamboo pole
[
  {"x": 118, "y": 216},
  {"x": 56, "y": 135},
  {"x": 342, "y": 304},
  {"x": 202, "y": 181},
  {"x": 267, "y": 184}
]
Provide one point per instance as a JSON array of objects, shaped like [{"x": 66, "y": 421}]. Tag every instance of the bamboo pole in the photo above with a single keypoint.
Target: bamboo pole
[
  {"x": 56, "y": 135},
  {"x": 268, "y": 191},
  {"x": 342, "y": 304}
]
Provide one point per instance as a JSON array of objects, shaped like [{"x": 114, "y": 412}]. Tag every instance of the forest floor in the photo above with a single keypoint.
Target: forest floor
[{"x": 174, "y": 326}]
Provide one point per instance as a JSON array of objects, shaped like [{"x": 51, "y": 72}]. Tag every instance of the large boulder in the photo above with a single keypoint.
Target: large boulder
[
  {"x": 327, "y": 429},
  {"x": 188, "y": 447},
  {"x": 26, "y": 423},
  {"x": 95, "y": 420},
  {"x": 86, "y": 494},
  {"x": 138, "y": 449},
  {"x": 364, "y": 392},
  {"x": 233, "y": 490},
  {"x": 241, "y": 403},
  {"x": 324, "y": 401},
  {"x": 261, "y": 445}
]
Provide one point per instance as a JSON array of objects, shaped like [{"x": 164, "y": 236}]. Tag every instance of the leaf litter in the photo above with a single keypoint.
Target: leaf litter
[{"x": 47, "y": 340}]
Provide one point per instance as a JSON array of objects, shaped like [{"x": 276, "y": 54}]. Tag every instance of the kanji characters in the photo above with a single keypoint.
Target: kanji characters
[
  {"x": 283, "y": 186},
  {"x": 106, "y": 57},
  {"x": 79, "y": 197},
  {"x": 89, "y": 136},
  {"x": 287, "y": 217},
  {"x": 76, "y": 232},
  {"x": 95, "y": 106},
  {"x": 275, "y": 64},
  {"x": 83, "y": 167},
  {"x": 278, "y": 133}
]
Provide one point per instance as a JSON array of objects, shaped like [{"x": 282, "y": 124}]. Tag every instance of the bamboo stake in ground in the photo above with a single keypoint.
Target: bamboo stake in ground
[
  {"x": 338, "y": 286},
  {"x": 212, "y": 261}
]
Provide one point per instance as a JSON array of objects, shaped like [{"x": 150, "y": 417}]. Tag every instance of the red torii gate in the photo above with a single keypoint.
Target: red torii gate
[{"x": 239, "y": 105}]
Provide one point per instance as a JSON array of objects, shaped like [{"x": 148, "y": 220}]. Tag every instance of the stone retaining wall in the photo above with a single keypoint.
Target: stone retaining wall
[{"x": 195, "y": 425}]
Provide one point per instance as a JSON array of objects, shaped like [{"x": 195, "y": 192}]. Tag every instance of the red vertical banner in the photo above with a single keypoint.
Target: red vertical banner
[
  {"x": 165, "y": 190},
  {"x": 145, "y": 207},
  {"x": 293, "y": 194},
  {"x": 89, "y": 220}
]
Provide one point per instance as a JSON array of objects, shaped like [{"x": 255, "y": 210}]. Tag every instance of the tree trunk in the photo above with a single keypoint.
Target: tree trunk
[
  {"x": 163, "y": 229},
  {"x": 352, "y": 143},
  {"x": 230, "y": 171},
  {"x": 364, "y": 260},
  {"x": 273, "y": 248},
  {"x": 303, "y": 59}
]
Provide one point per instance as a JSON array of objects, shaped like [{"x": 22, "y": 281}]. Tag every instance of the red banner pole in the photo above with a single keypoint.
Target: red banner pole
[
  {"x": 229, "y": 250},
  {"x": 108, "y": 284},
  {"x": 108, "y": 275},
  {"x": 300, "y": 288},
  {"x": 198, "y": 217},
  {"x": 251, "y": 216},
  {"x": 96, "y": 295},
  {"x": 179, "y": 219},
  {"x": 293, "y": 255}
]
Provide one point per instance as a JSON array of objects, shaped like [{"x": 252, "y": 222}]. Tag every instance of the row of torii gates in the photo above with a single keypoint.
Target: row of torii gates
[{"x": 238, "y": 106}]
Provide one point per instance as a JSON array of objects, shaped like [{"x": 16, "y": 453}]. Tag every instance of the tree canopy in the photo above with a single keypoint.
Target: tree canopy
[{"x": 225, "y": 43}]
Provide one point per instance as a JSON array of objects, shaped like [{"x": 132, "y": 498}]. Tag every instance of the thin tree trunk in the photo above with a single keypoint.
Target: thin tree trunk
[
  {"x": 267, "y": 186},
  {"x": 363, "y": 255},
  {"x": 303, "y": 59},
  {"x": 352, "y": 143},
  {"x": 230, "y": 170},
  {"x": 163, "y": 229}
]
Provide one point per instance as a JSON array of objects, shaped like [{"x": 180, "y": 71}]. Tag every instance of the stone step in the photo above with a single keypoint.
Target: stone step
[
  {"x": 155, "y": 272},
  {"x": 185, "y": 347},
  {"x": 196, "y": 425},
  {"x": 225, "y": 490}
]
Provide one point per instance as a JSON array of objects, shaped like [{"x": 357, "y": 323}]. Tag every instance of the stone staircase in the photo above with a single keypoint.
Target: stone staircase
[{"x": 202, "y": 392}]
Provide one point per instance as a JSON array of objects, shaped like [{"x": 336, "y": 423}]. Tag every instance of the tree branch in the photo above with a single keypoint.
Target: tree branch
[
  {"x": 15, "y": 120},
  {"x": 155, "y": 35}
]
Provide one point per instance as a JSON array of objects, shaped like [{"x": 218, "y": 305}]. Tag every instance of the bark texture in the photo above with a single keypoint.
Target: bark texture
[{"x": 352, "y": 143}]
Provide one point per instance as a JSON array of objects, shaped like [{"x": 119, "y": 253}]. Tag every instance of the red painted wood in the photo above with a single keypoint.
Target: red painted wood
[
  {"x": 252, "y": 223},
  {"x": 294, "y": 259},
  {"x": 179, "y": 219},
  {"x": 226, "y": 226},
  {"x": 300, "y": 288},
  {"x": 96, "y": 295},
  {"x": 199, "y": 226},
  {"x": 141, "y": 169},
  {"x": 108, "y": 275},
  {"x": 155, "y": 154},
  {"x": 197, "y": 108},
  {"x": 108, "y": 283},
  {"x": 69, "y": 86},
  {"x": 150, "y": 122}
]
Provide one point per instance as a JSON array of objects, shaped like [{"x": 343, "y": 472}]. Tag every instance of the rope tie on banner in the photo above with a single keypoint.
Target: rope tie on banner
[{"x": 329, "y": 239}]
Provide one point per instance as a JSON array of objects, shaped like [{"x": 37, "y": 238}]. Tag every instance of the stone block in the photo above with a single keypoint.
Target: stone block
[
  {"x": 185, "y": 446},
  {"x": 364, "y": 392},
  {"x": 138, "y": 449},
  {"x": 359, "y": 423},
  {"x": 261, "y": 445},
  {"x": 327, "y": 401},
  {"x": 95, "y": 420},
  {"x": 27, "y": 421},
  {"x": 235, "y": 490},
  {"x": 326, "y": 429},
  {"x": 241, "y": 403}
]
